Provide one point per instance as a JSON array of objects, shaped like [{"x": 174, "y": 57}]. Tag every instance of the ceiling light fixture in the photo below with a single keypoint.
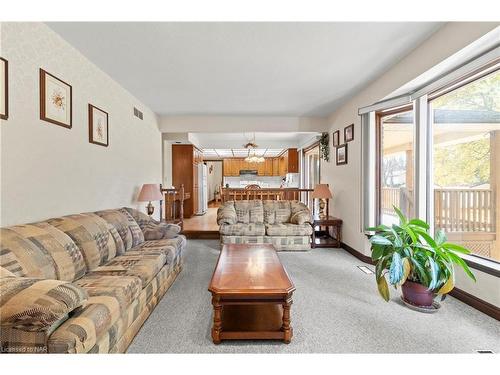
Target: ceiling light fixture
[{"x": 252, "y": 158}]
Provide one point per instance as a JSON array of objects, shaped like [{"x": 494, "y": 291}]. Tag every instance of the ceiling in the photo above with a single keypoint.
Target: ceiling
[
  {"x": 216, "y": 153},
  {"x": 279, "y": 69},
  {"x": 265, "y": 141}
]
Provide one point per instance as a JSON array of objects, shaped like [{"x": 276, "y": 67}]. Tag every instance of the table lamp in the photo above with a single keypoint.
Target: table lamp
[
  {"x": 322, "y": 192},
  {"x": 150, "y": 192}
]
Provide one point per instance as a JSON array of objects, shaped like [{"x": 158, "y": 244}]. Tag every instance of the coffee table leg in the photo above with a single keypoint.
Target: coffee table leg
[
  {"x": 286, "y": 328},
  {"x": 217, "y": 327}
]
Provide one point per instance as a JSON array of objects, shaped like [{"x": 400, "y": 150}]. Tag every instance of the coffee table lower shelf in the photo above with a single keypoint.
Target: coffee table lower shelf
[{"x": 252, "y": 321}]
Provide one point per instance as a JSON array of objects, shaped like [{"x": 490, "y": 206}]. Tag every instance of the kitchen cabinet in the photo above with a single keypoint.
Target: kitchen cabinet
[{"x": 287, "y": 162}]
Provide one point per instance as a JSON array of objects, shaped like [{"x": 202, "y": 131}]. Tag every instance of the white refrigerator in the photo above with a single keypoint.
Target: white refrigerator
[{"x": 202, "y": 189}]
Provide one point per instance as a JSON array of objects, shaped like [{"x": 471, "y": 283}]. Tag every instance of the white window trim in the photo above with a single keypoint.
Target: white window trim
[{"x": 424, "y": 204}]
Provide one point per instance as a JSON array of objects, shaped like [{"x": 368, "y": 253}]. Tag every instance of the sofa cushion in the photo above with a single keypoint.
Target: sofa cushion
[
  {"x": 125, "y": 289},
  {"x": 32, "y": 304},
  {"x": 288, "y": 229},
  {"x": 300, "y": 213},
  {"x": 4, "y": 272},
  {"x": 276, "y": 212},
  {"x": 144, "y": 266},
  {"x": 161, "y": 231},
  {"x": 240, "y": 229},
  {"x": 170, "y": 247},
  {"x": 250, "y": 211},
  {"x": 135, "y": 229},
  {"x": 91, "y": 235},
  {"x": 121, "y": 223},
  {"x": 226, "y": 214},
  {"x": 40, "y": 250},
  {"x": 81, "y": 331}
]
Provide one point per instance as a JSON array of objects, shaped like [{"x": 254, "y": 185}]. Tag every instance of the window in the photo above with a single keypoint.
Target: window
[
  {"x": 395, "y": 164},
  {"x": 465, "y": 128}
]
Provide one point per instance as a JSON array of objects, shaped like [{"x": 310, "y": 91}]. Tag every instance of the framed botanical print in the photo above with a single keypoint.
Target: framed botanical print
[
  {"x": 98, "y": 126},
  {"x": 336, "y": 138},
  {"x": 56, "y": 102},
  {"x": 4, "y": 89},
  {"x": 349, "y": 133},
  {"x": 341, "y": 154}
]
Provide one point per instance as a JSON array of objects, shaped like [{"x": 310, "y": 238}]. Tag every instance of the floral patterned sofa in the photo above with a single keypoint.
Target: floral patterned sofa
[
  {"x": 83, "y": 283},
  {"x": 284, "y": 224}
]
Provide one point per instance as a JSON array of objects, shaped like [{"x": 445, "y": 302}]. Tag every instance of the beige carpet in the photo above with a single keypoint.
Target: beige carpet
[{"x": 336, "y": 310}]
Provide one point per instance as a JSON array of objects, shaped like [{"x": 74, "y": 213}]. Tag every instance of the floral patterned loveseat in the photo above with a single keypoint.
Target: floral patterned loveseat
[{"x": 284, "y": 224}]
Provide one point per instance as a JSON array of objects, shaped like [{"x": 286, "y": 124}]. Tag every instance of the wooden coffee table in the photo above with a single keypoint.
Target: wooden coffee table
[{"x": 251, "y": 295}]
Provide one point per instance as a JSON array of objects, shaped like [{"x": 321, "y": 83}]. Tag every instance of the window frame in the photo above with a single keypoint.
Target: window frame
[
  {"x": 487, "y": 265},
  {"x": 420, "y": 103},
  {"x": 379, "y": 115}
]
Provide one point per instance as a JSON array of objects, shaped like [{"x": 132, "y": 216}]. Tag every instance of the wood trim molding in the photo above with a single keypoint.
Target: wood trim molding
[
  {"x": 467, "y": 298},
  {"x": 477, "y": 303},
  {"x": 362, "y": 257}
]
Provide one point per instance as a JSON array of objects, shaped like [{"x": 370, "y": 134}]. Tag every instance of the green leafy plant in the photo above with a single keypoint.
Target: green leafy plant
[
  {"x": 408, "y": 252},
  {"x": 324, "y": 148}
]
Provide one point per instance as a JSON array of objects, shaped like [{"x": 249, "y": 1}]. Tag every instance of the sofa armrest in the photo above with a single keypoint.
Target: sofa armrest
[
  {"x": 35, "y": 305},
  {"x": 158, "y": 231},
  {"x": 226, "y": 214}
]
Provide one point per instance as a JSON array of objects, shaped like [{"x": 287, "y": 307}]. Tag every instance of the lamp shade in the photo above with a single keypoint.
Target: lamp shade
[
  {"x": 322, "y": 191},
  {"x": 150, "y": 192}
]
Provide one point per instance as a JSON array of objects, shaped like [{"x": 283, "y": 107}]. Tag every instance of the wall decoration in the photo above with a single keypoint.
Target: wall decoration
[
  {"x": 349, "y": 133},
  {"x": 98, "y": 126},
  {"x": 324, "y": 147},
  {"x": 336, "y": 138},
  {"x": 4, "y": 89},
  {"x": 56, "y": 102},
  {"x": 341, "y": 154}
]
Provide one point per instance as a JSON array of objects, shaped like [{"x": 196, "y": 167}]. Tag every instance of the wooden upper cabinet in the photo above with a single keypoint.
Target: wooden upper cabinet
[
  {"x": 276, "y": 166},
  {"x": 268, "y": 167},
  {"x": 288, "y": 162},
  {"x": 293, "y": 160}
]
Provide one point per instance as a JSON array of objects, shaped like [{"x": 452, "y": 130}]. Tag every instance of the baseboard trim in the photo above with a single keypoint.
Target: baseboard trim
[
  {"x": 467, "y": 298},
  {"x": 362, "y": 257},
  {"x": 477, "y": 303}
]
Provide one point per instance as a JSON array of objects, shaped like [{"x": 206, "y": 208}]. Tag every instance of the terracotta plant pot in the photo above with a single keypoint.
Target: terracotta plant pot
[{"x": 417, "y": 294}]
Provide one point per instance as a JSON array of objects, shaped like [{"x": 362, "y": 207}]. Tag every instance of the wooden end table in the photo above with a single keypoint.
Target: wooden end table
[{"x": 322, "y": 238}]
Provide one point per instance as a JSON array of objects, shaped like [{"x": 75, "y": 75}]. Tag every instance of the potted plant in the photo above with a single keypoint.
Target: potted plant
[{"x": 413, "y": 259}]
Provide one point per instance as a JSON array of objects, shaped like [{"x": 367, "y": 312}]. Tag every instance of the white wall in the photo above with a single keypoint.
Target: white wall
[
  {"x": 48, "y": 170},
  {"x": 345, "y": 180}
]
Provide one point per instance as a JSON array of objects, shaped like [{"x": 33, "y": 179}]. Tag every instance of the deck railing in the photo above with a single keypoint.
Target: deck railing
[
  {"x": 399, "y": 197},
  {"x": 455, "y": 210},
  {"x": 464, "y": 210}
]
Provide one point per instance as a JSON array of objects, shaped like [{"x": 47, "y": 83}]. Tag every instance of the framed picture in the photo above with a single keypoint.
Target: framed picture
[
  {"x": 98, "y": 126},
  {"x": 349, "y": 133},
  {"x": 336, "y": 138},
  {"x": 4, "y": 89},
  {"x": 341, "y": 154},
  {"x": 55, "y": 100}
]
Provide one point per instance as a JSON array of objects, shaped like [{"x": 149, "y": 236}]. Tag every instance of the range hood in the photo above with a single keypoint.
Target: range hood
[{"x": 248, "y": 172}]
